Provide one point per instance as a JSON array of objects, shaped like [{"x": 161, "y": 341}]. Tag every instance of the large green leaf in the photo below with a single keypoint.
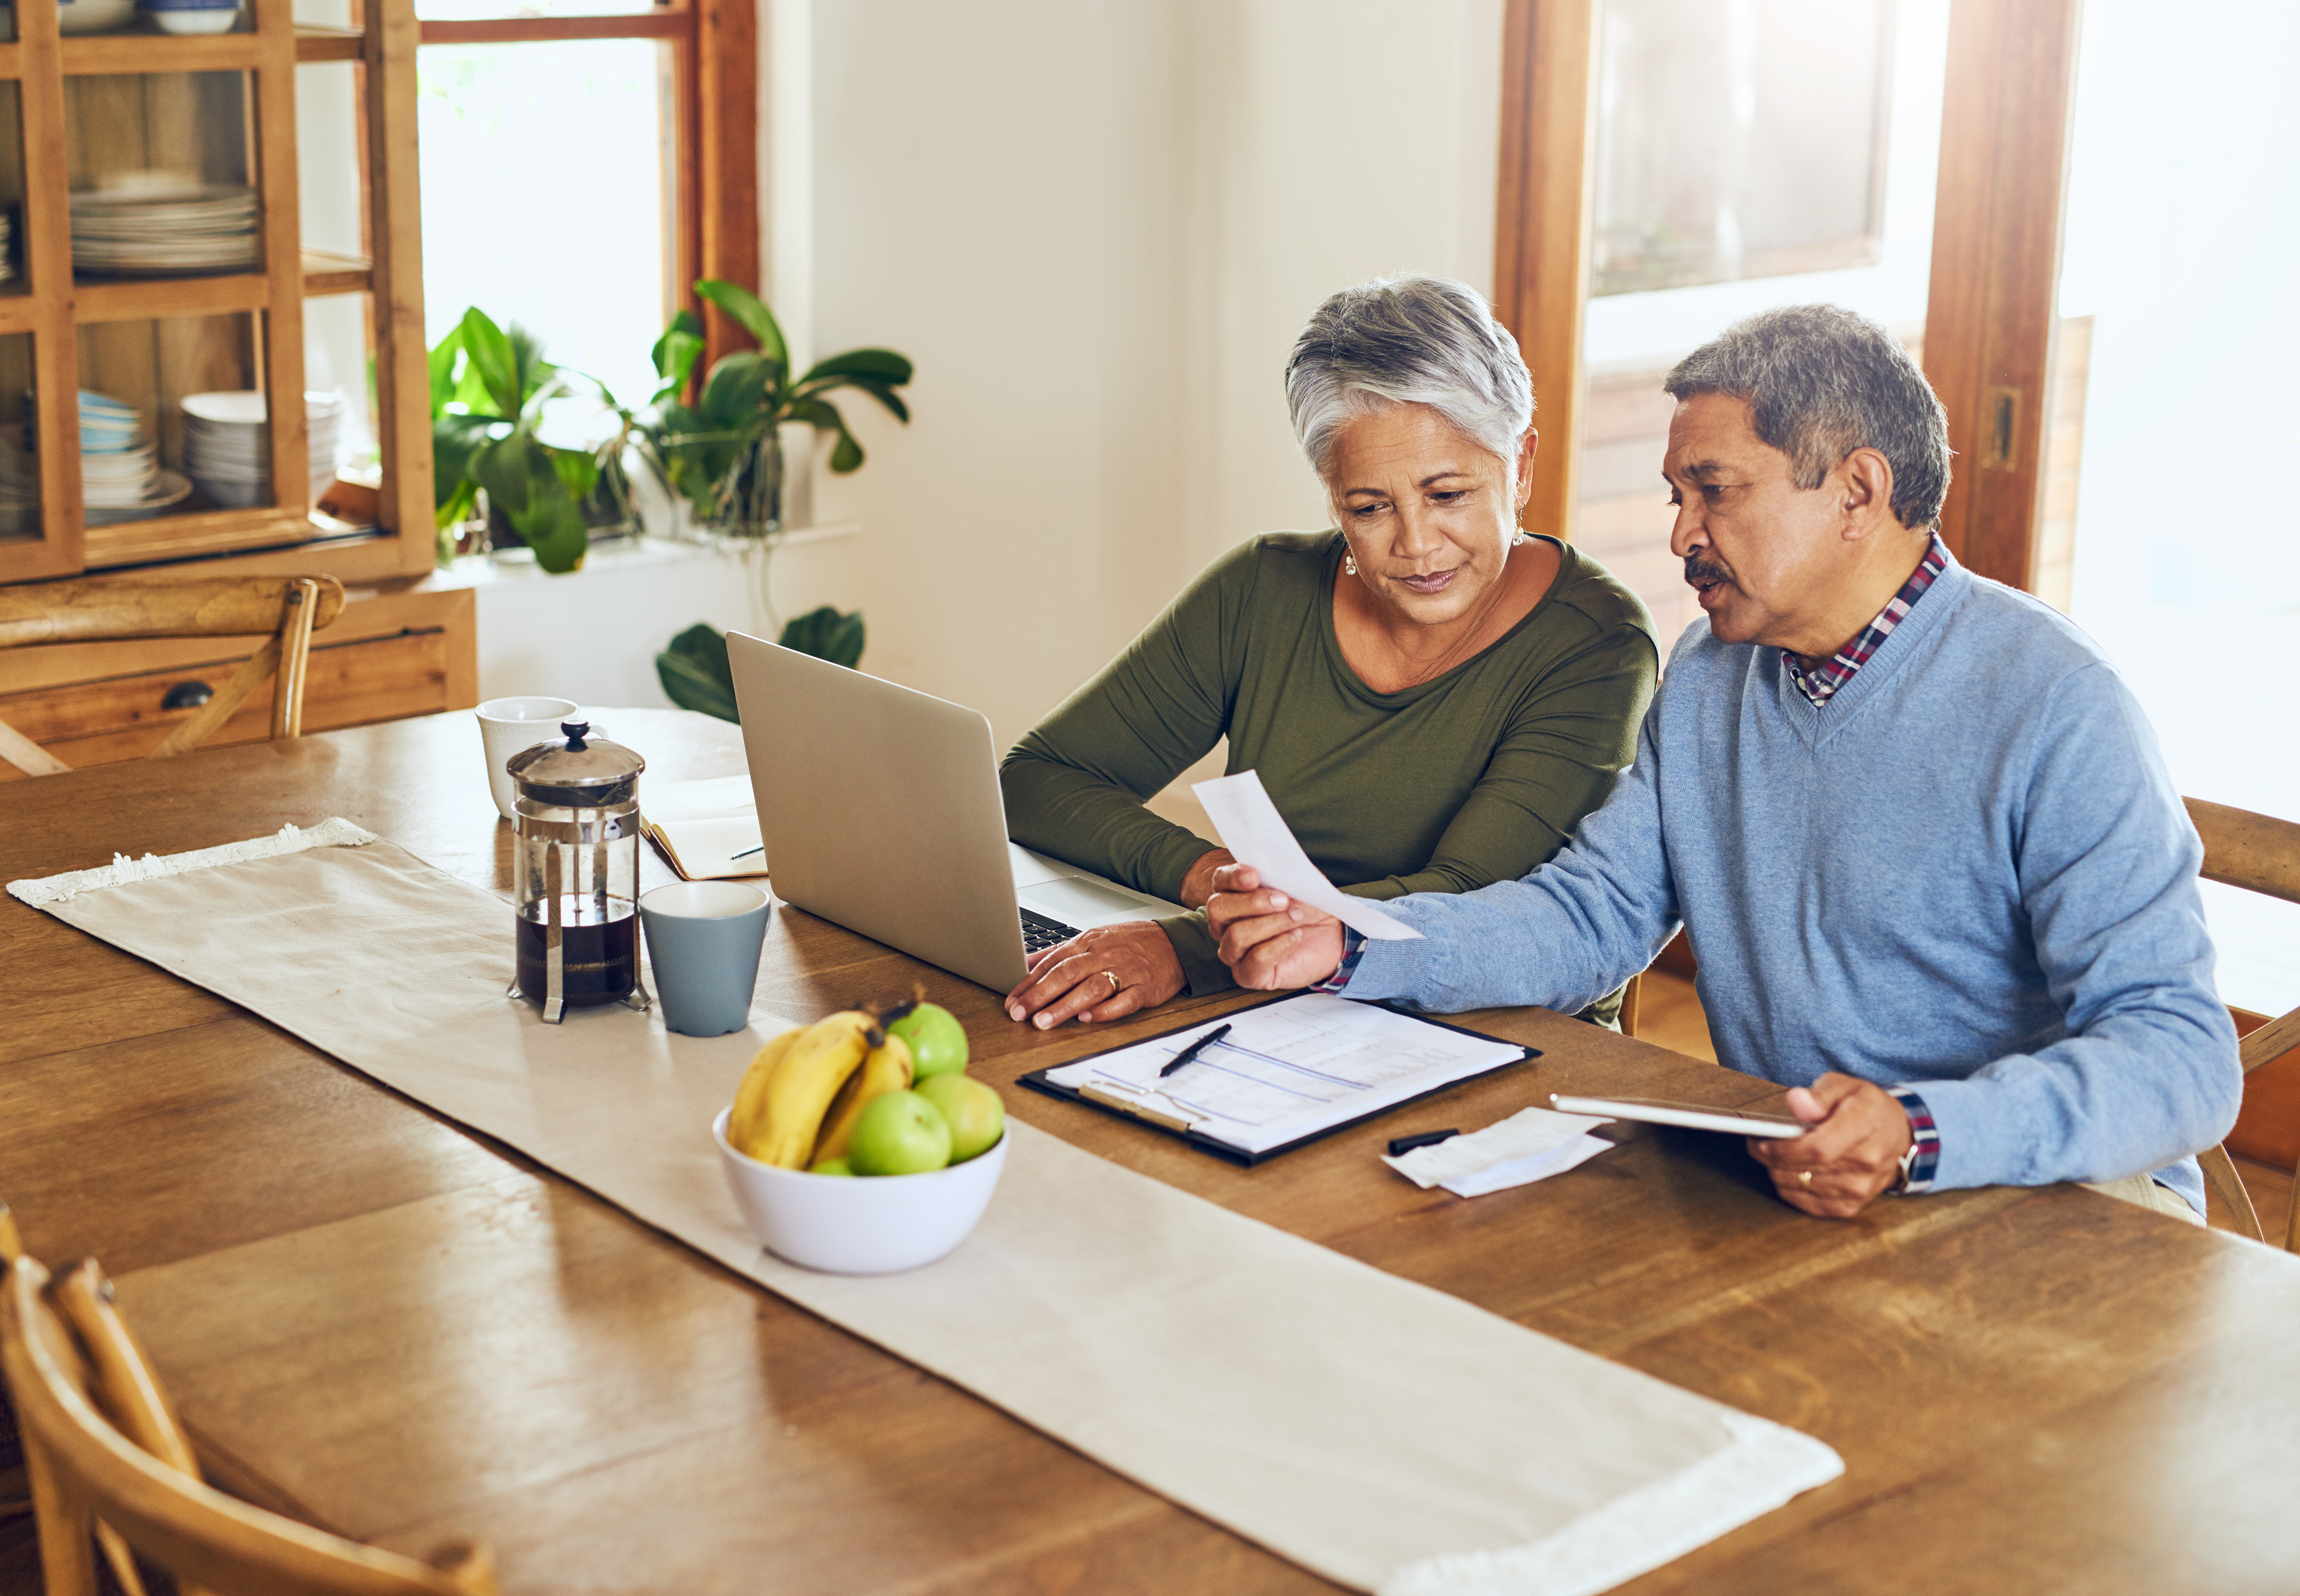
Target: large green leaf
[
  {"x": 827, "y": 634},
  {"x": 458, "y": 505},
  {"x": 560, "y": 538},
  {"x": 534, "y": 372},
  {"x": 442, "y": 360},
  {"x": 493, "y": 360},
  {"x": 881, "y": 392},
  {"x": 695, "y": 672},
  {"x": 455, "y": 440},
  {"x": 751, "y": 314},
  {"x": 577, "y": 470},
  {"x": 738, "y": 384},
  {"x": 504, "y": 467},
  {"x": 822, "y": 415},
  {"x": 881, "y": 365}
]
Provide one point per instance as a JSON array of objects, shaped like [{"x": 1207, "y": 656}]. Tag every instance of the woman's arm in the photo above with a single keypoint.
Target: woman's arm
[{"x": 1075, "y": 786}]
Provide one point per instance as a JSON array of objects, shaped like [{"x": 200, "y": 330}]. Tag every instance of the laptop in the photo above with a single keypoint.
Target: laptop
[{"x": 879, "y": 809}]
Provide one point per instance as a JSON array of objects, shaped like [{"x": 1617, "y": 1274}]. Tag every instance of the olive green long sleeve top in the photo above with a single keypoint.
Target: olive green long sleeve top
[{"x": 1473, "y": 777}]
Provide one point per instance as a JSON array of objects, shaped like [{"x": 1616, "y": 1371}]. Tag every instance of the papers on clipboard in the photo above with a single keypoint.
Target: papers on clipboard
[
  {"x": 1257, "y": 834},
  {"x": 1286, "y": 1071}
]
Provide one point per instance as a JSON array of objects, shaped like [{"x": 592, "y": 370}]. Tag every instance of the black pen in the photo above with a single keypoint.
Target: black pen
[{"x": 1193, "y": 1050}]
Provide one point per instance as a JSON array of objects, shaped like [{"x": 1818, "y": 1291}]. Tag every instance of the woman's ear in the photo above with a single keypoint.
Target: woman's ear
[{"x": 1525, "y": 453}]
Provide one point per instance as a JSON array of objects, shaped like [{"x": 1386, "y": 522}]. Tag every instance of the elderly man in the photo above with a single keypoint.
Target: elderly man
[{"x": 1916, "y": 827}]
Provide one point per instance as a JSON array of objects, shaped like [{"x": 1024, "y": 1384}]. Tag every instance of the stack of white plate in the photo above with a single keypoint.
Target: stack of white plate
[
  {"x": 119, "y": 475},
  {"x": 163, "y": 227},
  {"x": 228, "y": 443}
]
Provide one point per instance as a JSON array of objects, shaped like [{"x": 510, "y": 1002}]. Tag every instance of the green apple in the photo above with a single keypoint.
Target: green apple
[
  {"x": 937, "y": 1040},
  {"x": 977, "y": 1117},
  {"x": 898, "y": 1133},
  {"x": 832, "y": 1167}
]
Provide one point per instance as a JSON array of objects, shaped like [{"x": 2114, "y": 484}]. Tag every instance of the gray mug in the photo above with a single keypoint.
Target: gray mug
[{"x": 703, "y": 939}]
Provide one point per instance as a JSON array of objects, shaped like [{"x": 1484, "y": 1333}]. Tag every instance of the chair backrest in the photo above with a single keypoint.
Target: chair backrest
[
  {"x": 113, "y": 609},
  {"x": 78, "y": 1382},
  {"x": 2258, "y": 853}
]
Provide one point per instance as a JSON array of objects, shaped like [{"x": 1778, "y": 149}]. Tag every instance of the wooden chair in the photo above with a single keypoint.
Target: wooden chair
[
  {"x": 2260, "y": 854},
  {"x": 113, "y": 609},
  {"x": 111, "y": 1466}
]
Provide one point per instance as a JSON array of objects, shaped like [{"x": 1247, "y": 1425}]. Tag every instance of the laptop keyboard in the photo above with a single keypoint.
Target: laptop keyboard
[{"x": 1040, "y": 932}]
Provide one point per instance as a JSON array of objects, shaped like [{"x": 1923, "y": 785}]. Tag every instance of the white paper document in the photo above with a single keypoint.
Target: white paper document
[
  {"x": 1531, "y": 1145},
  {"x": 1257, "y": 834},
  {"x": 1289, "y": 1069}
]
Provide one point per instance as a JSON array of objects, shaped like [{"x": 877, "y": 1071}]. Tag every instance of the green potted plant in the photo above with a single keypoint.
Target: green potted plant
[
  {"x": 723, "y": 453},
  {"x": 723, "y": 456},
  {"x": 489, "y": 389}
]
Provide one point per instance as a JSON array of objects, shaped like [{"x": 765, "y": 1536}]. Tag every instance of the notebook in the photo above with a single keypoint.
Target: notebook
[
  {"x": 707, "y": 830},
  {"x": 1287, "y": 1073}
]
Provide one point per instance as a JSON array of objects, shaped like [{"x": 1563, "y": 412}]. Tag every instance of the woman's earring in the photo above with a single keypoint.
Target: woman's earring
[{"x": 1349, "y": 564}]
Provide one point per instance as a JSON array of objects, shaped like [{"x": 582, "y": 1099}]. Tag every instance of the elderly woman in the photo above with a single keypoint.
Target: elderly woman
[{"x": 1433, "y": 699}]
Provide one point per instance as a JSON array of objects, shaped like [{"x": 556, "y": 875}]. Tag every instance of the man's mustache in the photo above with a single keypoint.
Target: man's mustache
[{"x": 1698, "y": 570}]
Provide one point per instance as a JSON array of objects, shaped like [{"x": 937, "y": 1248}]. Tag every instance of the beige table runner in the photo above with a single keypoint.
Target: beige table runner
[{"x": 1388, "y": 1437}]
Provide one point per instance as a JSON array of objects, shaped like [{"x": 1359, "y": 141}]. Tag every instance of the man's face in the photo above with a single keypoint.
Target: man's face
[{"x": 1765, "y": 555}]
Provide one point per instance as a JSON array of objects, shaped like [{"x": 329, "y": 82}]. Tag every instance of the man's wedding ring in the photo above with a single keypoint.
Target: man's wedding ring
[
  {"x": 1804, "y": 1177},
  {"x": 1116, "y": 985}
]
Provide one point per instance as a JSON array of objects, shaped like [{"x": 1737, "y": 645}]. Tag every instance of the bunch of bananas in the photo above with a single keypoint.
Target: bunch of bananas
[{"x": 799, "y": 1102}]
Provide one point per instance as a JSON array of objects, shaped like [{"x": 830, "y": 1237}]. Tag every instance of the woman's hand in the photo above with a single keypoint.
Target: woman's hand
[
  {"x": 1267, "y": 940},
  {"x": 1073, "y": 980}
]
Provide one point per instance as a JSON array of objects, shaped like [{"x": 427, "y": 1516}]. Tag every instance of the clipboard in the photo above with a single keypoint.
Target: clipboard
[{"x": 1182, "y": 1130}]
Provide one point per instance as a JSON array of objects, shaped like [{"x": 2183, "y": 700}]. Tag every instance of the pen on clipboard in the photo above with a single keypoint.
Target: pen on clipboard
[{"x": 1193, "y": 1050}]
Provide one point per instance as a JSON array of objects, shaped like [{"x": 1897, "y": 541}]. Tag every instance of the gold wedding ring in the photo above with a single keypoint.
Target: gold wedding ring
[
  {"x": 1116, "y": 985},
  {"x": 1804, "y": 1177}
]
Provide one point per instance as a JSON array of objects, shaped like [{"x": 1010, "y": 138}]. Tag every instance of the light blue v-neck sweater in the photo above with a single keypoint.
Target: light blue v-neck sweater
[{"x": 1967, "y": 871}]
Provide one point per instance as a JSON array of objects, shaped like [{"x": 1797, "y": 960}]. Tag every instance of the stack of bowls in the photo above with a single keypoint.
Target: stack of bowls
[
  {"x": 228, "y": 443},
  {"x": 120, "y": 478},
  {"x": 192, "y": 16},
  {"x": 94, "y": 16}
]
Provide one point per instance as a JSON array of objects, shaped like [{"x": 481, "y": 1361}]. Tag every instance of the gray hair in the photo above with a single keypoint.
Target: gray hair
[
  {"x": 1820, "y": 382},
  {"x": 1408, "y": 340}
]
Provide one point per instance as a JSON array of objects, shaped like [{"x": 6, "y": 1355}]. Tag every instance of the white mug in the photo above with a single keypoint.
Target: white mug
[{"x": 507, "y": 726}]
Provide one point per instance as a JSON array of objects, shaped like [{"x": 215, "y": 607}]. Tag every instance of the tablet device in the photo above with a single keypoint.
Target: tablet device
[{"x": 1693, "y": 1117}]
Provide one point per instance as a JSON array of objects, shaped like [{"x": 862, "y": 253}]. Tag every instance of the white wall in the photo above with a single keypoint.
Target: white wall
[{"x": 1097, "y": 228}]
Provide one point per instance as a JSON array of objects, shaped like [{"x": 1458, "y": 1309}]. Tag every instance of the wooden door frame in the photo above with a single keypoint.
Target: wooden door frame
[
  {"x": 1990, "y": 318},
  {"x": 1541, "y": 235},
  {"x": 1995, "y": 263}
]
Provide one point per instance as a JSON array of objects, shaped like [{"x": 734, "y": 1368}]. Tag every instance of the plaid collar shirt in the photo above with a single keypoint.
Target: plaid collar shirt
[{"x": 1821, "y": 683}]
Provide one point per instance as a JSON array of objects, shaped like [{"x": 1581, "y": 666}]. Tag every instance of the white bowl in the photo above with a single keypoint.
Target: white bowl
[
  {"x": 216, "y": 21},
  {"x": 96, "y": 16},
  {"x": 858, "y": 1224}
]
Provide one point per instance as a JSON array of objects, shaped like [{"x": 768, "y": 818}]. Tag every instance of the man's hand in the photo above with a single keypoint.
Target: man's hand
[
  {"x": 1269, "y": 941},
  {"x": 1198, "y": 880},
  {"x": 1849, "y": 1153}
]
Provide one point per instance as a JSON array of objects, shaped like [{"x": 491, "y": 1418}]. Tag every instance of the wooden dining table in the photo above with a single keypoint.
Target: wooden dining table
[{"x": 396, "y": 1328}]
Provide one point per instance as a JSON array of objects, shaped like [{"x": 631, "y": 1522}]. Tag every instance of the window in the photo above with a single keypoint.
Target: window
[{"x": 583, "y": 163}]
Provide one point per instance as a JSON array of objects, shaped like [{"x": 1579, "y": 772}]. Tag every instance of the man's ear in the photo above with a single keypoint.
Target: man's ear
[{"x": 1865, "y": 481}]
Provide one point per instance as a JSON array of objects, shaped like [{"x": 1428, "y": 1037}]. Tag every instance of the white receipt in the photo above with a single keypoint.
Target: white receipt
[
  {"x": 1257, "y": 834},
  {"x": 1531, "y": 1145}
]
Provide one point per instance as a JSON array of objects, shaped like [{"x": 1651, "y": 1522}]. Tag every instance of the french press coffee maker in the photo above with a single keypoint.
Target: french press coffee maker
[{"x": 575, "y": 822}]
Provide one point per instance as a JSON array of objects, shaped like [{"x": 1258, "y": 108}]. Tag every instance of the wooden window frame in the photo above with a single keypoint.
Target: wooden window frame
[
  {"x": 1990, "y": 319},
  {"x": 714, "y": 48}
]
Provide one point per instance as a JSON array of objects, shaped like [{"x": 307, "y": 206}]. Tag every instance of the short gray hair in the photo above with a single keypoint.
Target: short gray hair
[
  {"x": 1408, "y": 340},
  {"x": 1820, "y": 382}
]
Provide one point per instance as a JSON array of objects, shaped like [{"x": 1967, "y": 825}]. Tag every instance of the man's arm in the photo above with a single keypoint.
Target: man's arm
[
  {"x": 1565, "y": 935},
  {"x": 2107, "y": 867}
]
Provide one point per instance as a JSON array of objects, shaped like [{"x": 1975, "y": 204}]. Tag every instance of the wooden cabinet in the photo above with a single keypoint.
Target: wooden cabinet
[
  {"x": 82, "y": 114},
  {"x": 389, "y": 655}
]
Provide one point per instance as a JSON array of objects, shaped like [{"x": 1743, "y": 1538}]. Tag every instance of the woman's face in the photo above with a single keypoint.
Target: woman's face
[{"x": 1430, "y": 515}]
